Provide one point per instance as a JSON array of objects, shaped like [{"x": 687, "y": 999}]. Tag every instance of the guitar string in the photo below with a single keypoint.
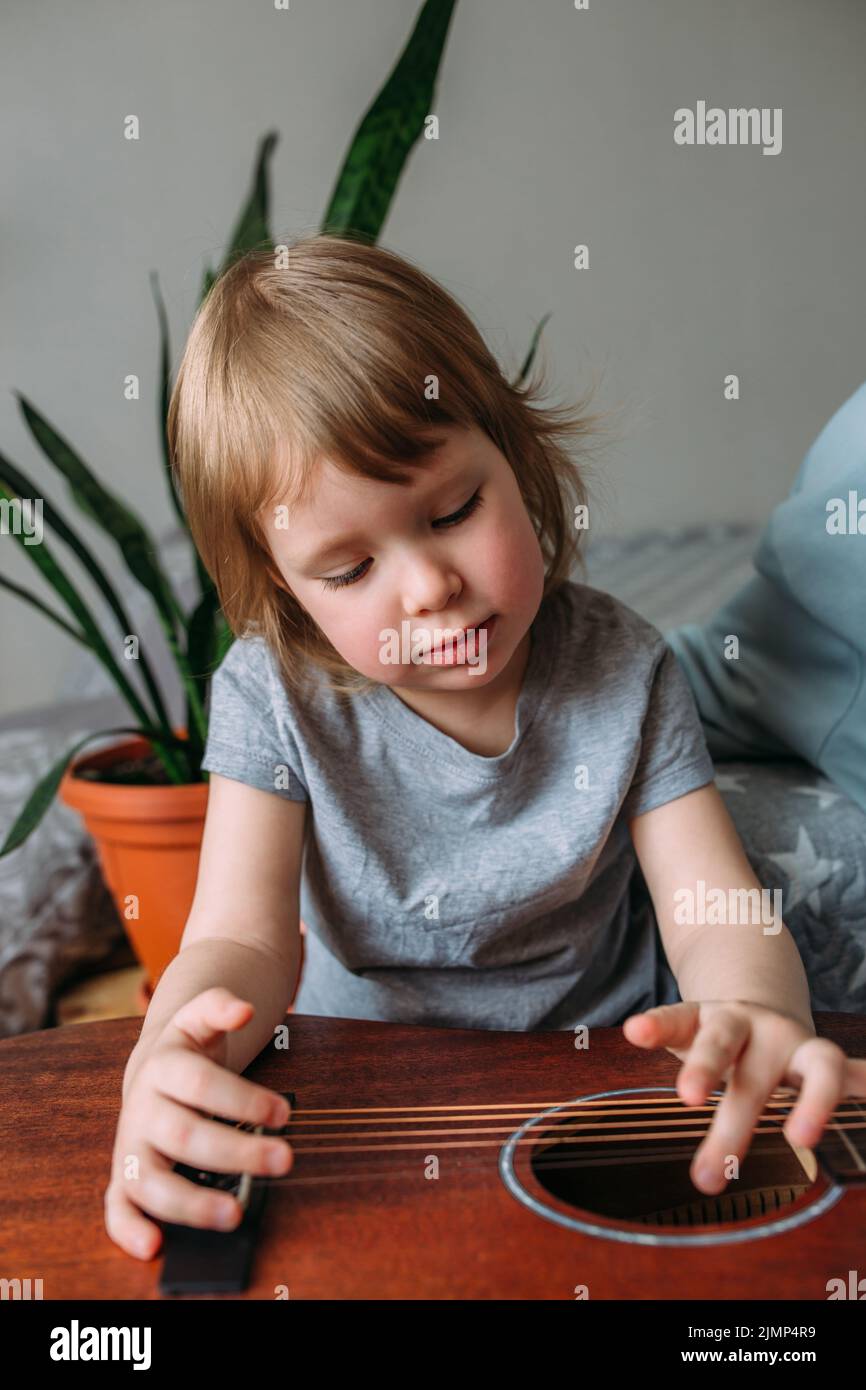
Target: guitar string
[
  {"x": 859, "y": 1160},
  {"x": 300, "y": 1141},
  {"x": 467, "y": 1164},
  {"x": 528, "y": 1107},
  {"x": 555, "y": 1127},
  {"x": 434, "y": 1136},
  {"x": 688, "y": 1116},
  {"x": 591, "y": 1160},
  {"x": 552, "y": 1137},
  {"x": 607, "y": 1117},
  {"x": 415, "y": 1113}
]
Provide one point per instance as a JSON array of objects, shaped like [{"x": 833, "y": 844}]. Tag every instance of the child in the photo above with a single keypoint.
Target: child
[{"x": 467, "y": 772}]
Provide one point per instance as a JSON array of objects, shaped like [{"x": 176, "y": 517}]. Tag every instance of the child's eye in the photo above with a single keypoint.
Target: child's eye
[
  {"x": 352, "y": 577},
  {"x": 456, "y": 517}
]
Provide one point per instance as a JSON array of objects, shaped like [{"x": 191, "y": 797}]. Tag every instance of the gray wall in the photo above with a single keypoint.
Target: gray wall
[{"x": 556, "y": 129}]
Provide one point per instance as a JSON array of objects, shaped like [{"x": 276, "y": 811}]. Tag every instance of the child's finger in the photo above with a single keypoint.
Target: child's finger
[
  {"x": 718, "y": 1044},
  {"x": 183, "y": 1136},
  {"x": 824, "y": 1069},
  {"x": 210, "y": 1014},
  {"x": 667, "y": 1025},
  {"x": 196, "y": 1081},
  {"x": 734, "y": 1123},
  {"x": 163, "y": 1193},
  {"x": 127, "y": 1226}
]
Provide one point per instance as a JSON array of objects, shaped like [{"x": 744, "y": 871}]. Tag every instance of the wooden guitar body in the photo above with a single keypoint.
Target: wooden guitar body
[{"x": 450, "y": 1164}]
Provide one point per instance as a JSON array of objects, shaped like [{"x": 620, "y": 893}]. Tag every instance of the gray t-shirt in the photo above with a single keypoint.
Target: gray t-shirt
[{"x": 444, "y": 888}]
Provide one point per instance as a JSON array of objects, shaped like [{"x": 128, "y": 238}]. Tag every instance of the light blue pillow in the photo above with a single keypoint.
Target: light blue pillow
[{"x": 798, "y": 684}]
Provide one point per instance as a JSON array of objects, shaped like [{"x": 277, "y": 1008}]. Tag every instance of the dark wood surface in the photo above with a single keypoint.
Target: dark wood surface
[{"x": 463, "y": 1235}]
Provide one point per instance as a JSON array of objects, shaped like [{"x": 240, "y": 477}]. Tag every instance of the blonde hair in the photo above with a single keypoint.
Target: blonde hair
[{"x": 327, "y": 346}]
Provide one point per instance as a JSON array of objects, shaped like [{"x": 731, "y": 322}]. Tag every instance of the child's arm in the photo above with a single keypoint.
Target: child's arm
[
  {"x": 745, "y": 1016},
  {"x": 239, "y": 953},
  {"x": 691, "y": 839},
  {"x": 243, "y": 929}
]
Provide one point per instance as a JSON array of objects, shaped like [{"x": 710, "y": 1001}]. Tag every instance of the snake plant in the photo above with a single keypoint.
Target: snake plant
[{"x": 198, "y": 639}]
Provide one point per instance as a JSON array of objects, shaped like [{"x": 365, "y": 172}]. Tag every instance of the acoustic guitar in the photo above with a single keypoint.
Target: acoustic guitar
[
  {"x": 440, "y": 1164},
  {"x": 450, "y": 1163}
]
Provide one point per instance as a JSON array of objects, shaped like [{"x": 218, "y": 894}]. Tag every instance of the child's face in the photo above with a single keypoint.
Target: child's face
[{"x": 410, "y": 577}]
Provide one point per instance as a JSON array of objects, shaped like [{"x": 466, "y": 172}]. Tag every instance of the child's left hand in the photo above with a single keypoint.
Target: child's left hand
[{"x": 753, "y": 1049}]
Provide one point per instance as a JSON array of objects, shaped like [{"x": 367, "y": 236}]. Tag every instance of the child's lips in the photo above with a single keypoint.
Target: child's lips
[{"x": 451, "y": 646}]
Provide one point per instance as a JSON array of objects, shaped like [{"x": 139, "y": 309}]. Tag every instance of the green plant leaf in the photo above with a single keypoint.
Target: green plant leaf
[
  {"x": 530, "y": 356},
  {"x": 165, "y": 392},
  {"x": 128, "y": 532},
  {"x": 204, "y": 579},
  {"x": 25, "y": 487},
  {"x": 380, "y": 147},
  {"x": 43, "y": 607},
  {"x": 200, "y": 652},
  {"x": 43, "y": 559},
  {"x": 207, "y": 283},
  {"x": 251, "y": 229},
  {"x": 137, "y": 547},
  {"x": 46, "y": 789},
  {"x": 225, "y": 638}
]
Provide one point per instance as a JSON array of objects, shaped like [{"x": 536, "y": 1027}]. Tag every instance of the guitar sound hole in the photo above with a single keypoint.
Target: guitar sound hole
[{"x": 648, "y": 1181}]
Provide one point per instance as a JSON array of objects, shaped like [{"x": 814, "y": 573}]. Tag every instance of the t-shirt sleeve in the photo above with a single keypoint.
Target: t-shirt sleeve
[
  {"x": 674, "y": 758},
  {"x": 246, "y": 739}
]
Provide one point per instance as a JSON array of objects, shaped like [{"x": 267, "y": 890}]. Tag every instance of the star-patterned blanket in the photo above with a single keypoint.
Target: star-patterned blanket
[{"x": 804, "y": 836}]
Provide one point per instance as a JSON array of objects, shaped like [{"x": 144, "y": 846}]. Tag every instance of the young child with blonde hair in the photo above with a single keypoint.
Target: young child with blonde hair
[{"x": 481, "y": 783}]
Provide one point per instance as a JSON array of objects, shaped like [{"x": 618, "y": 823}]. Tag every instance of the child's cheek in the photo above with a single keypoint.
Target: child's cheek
[
  {"x": 352, "y": 634},
  {"x": 355, "y": 634},
  {"x": 514, "y": 565}
]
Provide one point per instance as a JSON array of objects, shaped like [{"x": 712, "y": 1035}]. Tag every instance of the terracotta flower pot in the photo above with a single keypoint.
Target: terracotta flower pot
[{"x": 148, "y": 840}]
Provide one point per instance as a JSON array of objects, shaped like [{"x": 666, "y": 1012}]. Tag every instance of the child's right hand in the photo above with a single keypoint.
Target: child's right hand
[{"x": 160, "y": 1124}]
